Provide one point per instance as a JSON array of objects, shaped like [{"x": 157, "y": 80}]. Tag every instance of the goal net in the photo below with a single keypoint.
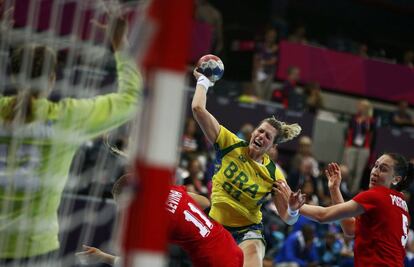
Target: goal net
[{"x": 66, "y": 93}]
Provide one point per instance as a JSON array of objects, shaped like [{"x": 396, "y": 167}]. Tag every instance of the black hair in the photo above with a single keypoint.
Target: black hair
[{"x": 402, "y": 168}]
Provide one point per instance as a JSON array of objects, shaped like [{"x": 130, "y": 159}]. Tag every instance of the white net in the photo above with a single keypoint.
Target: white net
[{"x": 56, "y": 173}]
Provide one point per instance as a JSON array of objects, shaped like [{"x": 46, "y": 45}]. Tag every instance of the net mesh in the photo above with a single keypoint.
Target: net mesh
[{"x": 36, "y": 155}]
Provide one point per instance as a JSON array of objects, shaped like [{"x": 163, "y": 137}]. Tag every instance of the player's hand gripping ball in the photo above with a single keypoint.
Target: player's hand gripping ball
[{"x": 211, "y": 66}]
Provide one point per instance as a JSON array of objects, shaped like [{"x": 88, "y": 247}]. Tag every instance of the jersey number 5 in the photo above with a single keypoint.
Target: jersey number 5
[
  {"x": 201, "y": 221},
  {"x": 404, "y": 237}
]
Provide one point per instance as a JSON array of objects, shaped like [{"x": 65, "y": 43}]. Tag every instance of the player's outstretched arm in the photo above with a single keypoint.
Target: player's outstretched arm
[
  {"x": 333, "y": 173},
  {"x": 207, "y": 122},
  {"x": 92, "y": 255},
  {"x": 332, "y": 213}
]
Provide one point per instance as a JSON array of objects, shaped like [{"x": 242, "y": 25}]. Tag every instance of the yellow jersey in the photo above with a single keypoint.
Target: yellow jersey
[{"x": 240, "y": 184}]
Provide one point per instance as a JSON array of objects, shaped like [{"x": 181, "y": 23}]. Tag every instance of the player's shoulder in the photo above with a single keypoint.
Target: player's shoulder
[
  {"x": 378, "y": 194},
  {"x": 228, "y": 141},
  {"x": 383, "y": 191},
  {"x": 223, "y": 131}
]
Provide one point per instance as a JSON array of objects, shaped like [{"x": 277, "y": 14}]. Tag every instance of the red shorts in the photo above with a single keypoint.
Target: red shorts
[{"x": 223, "y": 253}]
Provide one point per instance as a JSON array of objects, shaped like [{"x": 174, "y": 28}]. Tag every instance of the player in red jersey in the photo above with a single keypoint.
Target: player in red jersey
[
  {"x": 207, "y": 243},
  {"x": 378, "y": 217}
]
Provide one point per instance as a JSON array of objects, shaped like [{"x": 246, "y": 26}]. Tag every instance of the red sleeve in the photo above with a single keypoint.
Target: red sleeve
[{"x": 368, "y": 199}]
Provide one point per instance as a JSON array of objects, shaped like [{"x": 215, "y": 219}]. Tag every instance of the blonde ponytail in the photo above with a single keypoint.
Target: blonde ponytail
[
  {"x": 289, "y": 131},
  {"x": 285, "y": 132}
]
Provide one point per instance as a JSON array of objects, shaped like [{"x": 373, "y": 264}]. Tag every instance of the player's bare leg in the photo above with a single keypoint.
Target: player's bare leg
[{"x": 253, "y": 251}]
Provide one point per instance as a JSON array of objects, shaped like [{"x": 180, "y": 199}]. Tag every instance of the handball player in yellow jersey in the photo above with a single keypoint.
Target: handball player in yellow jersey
[{"x": 244, "y": 175}]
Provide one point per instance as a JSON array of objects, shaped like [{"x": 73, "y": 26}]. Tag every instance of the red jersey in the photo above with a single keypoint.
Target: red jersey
[
  {"x": 381, "y": 232},
  {"x": 207, "y": 243}
]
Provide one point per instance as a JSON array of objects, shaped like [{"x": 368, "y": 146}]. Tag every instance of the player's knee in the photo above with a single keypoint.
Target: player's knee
[{"x": 252, "y": 248}]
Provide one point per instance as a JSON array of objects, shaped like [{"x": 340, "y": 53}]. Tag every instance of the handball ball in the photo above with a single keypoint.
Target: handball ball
[{"x": 211, "y": 66}]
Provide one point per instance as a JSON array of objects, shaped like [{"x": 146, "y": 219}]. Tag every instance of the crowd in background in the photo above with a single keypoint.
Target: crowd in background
[{"x": 306, "y": 243}]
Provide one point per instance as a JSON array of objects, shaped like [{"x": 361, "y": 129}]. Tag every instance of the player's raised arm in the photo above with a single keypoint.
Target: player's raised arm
[
  {"x": 94, "y": 116},
  {"x": 208, "y": 123},
  {"x": 333, "y": 173}
]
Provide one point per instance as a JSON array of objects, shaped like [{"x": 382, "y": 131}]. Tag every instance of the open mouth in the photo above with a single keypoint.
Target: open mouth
[{"x": 257, "y": 143}]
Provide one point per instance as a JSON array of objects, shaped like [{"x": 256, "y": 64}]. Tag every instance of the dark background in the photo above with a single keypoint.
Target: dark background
[{"x": 386, "y": 26}]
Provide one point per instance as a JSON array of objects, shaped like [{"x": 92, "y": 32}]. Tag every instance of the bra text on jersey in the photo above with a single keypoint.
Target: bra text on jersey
[{"x": 238, "y": 182}]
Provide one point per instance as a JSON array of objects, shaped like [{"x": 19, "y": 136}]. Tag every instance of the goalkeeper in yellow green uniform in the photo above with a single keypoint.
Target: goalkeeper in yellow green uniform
[
  {"x": 39, "y": 138},
  {"x": 244, "y": 175}
]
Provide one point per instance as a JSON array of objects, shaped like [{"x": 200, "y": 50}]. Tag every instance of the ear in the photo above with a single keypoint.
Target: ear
[{"x": 396, "y": 180}]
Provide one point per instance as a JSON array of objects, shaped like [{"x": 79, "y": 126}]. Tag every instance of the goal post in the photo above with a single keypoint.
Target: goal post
[{"x": 145, "y": 235}]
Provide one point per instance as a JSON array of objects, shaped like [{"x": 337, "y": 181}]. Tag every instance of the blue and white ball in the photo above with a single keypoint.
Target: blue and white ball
[{"x": 211, "y": 66}]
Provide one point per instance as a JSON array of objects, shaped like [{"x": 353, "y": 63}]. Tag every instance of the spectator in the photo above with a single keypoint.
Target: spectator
[
  {"x": 264, "y": 65},
  {"x": 190, "y": 141},
  {"x": 358, "y": 142},
  {"x": 330, "y": 250},
  {"x": 401, "y": 116},
  {"x": 408, "y": 59},
  {"x": 248, "y": 95},
  {"x": 205, "y": 12},
  {"x": 363, "y": 50},
  {"x": 298, "y": 177},
  {"x": 409, "y": 258},
  {"x": 299, "y": 249},
  {"x": 308, "y": 188},
  {"x": 194, "y": 182},
  {"x": 288, "y": 88},
  {"x": 304, "y": 180},
  {"x": 347, "y": 252},
  {"x": 314, "y": 100},
  {"x": 278, "y": 11},
  {"x": 346, "y": 179},
  {"x": 299, "y": 35},
  {"x": 305, "y": 151},
  {"x": 245, "y": 131}
]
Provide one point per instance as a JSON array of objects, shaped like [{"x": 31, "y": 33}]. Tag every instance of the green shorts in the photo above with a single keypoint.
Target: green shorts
[{"x": 253, "y": 231}]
